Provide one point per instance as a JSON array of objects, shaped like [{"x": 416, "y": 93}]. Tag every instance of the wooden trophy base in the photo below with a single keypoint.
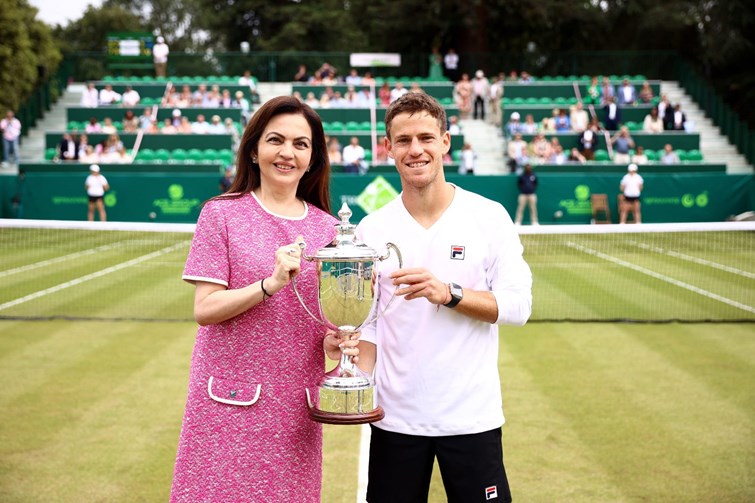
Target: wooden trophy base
[{"x": 340, "y": 418}]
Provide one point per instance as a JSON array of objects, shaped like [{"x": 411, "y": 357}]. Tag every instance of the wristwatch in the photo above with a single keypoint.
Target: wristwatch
[{"x": 456, "y": 294}]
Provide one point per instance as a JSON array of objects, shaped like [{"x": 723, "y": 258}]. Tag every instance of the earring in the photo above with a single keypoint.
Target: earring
[{"x": 254, "y": 159}]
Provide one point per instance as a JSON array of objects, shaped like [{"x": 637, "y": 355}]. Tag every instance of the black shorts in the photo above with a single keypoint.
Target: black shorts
[
  {"x": 631, "y": 199},
  {"x": 94, "y": 199},
  {"x": 471, "y": 466}
]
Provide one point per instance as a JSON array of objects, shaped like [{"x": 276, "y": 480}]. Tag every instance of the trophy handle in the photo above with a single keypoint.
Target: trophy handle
[
  {"x": 302, "y": 245},
  {"x": 390, "y": 246}
]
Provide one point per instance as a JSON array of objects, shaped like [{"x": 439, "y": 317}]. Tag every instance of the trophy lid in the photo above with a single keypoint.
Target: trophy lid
[{"x": 345, "y": 246}]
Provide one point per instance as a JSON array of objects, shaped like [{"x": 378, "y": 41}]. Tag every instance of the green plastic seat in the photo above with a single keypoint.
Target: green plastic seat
[
  {"x": 73, "y": 126},
  {"x": 179, "y": 155},
  {"x": 367, "y": 154},
  {"x": 336, "y": 126},
  {"x": 682, "y": 154},
  {"x": 352, "y": 126},
  {"x": 365, "y": 126},
  {"x": 210, "y": 155},
  {"x": 694, "y": 155},
  {"x": 532, "y": 100},
  {"x": 227, "y": 156},
  {"x": 145, "y": 155},
  {"x": 602, "y": 155},
  {"x": 162, "y": 155},
  {"x": 651, "y": 155},
  {"x": 545, "y": 100},
  {"x": 50, "y": 154},
  {"x": 195, "y": 155},
  {"x": 456, "y": 155},
  {"x": 632, "y": 126},
  {"x": 518, "y": 101}
]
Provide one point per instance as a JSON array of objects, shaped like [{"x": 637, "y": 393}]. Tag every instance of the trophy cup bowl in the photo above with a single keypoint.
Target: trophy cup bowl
[{"x": 347, "y": 301}]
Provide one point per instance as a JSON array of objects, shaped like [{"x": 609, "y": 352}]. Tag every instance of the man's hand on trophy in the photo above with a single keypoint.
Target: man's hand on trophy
[
  {"x": 336, "y": 343},
  {"x": 287, "y": 265},
  {"x": 420, "y": 283}
]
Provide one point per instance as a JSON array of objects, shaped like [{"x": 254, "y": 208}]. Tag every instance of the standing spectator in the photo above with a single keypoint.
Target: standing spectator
[
  {"x": 435, "y": 64},
  {"x": 527, "y": 183},
  {"x": 108, "y": 96},
  {"x": 451, "y": 64},
  {"x": 622, "y": 143},
  {"x": 664, "y": 110},
  {"x": 130, "y": 97},
  {"x": 593, "y": 90},
  {"x": 468, "y": 160},
  {"x": 612, "y": 114},
  {"x": 627, "y": 93},
  {"x": 653, "y": 122},
  {"x": 496, "y": 95},
  {"x": 480, "y": 92},
  {"x": 10, "y": 127},
  {"x": 248, "y": 80},
  {"x": 68, "y": 148},
  {"x": 517, "y": 152},
  {"x": 353, "y": 157},
  {"x": 669, "y": 155},
  {"x": 631, "y": 187},
  {"x": 96, "y": 185},
  {"x": 606, "y": 91},
  {"x": 301, "y": 74},
  {"x": 90, "y": 97},
  {"x": 436, "y": 404},
  {"x": 463, "y": 92},
  {"x": 677, "y": 120},
  {"x": 239, "y": 101},
  {"x": 588, "y": 140},
  {"x": 160, "y": 53},
  {"x": 639, "y": 157}
]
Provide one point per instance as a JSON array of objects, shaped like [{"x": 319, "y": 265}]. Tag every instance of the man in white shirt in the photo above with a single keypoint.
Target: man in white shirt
[
  {"x": 398, "y": 91},
  {"x": 353, "y": 157},
  {"x": 435, "y": 348},
  {"x": 90, "y": 98},
  {"x": 200, "y": 126},
  {"x": 10, "y": 128},
  {"x": 160, "y": 53},
  {"x": 109, "y": 97},
  {"x": 451, "y": 62},
  {"x": 480, "y": 92},
  {"x": 130, "y": 97}
]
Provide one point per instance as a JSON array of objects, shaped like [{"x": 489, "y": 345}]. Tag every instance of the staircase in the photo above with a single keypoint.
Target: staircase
[
  {"x": 487, "y": 142},
  {"x": 715, "y": 147},
  {"x": 33, "y": 146}
]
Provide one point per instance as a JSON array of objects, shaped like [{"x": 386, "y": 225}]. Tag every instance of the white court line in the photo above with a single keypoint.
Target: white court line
[
  {"x": 364, "y": 459},
  {"x": 696, "y": 260},
  {"x": 662, "y": 277},
  {"x": 55, "y": 260},
  {"x": 94, "y": 275}
]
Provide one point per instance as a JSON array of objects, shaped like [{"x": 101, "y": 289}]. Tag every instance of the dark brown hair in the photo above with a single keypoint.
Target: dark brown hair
[
  {"x": 314, "y": 186},
  {"x": 412, "y": 103}
]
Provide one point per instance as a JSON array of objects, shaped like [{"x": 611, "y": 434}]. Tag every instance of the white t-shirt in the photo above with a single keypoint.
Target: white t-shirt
[
  {"x": 95, "y": 185},
  {"x": 437, "y": 370},
  {"x": 352, "y": 154},
  {"x": 632, "y": 184},
  {"x": 160, "y": 52}
]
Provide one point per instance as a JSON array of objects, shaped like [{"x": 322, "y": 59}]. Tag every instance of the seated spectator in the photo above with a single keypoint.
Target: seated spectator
[
  {"x": 416, "y": 88},
  {"x": 334, "y": 151},
  {"x": 185, "y": 127},
  {"x": 525, "y": 77},
  {"x": 89, "y": 156},
  {"x": 225, "y": 99},
  {"x": 175, "y": 117},
  {"x": 107, "y": 126},
  {"x": 247, "y": 80},
  {"x": 646, "y": 93},
  {"x": 554, "y": 143},
  {"x": 607, "y": 91},
  {"x": 338, "y": 101},
  {"x": 130, "y": 97},
  {"x": 198, "y": 96},
  {"x": 93, "y": 126},
  {"x": 312, "y": 101},
  {"x": 109, "y": 97},
  {"x": 325, "y": 101},
  {"x": 168, "y": 127},
  {"x": 669, "y": 155},
  {"x": 593, "y": 90},
  {"x": 627, "y": 93},
  {"x": 130, "y": 122},
  {"x": 68, "y": 148},
  {"x": 200, "y": 126},
  {"x": 83, "y": 145},
  {"x": 382, "y": 152},
  {"x": 385, "y": 94},
  {"x": 231, "y": 129},
  {"x": 327, "y": 73},
  {"x": 453, "y": 125},
  {"x": 677, "y": 120},
  {"x": 240, "y": 102},
  {"x": 639, "y": 156},
  {"x": 153, "y": 127},
  {"x": 517, "y": 152},
  {"x": 145, "y": 119},
  {"x": 562, "y": 123},
  {"x": 353, "y": 78},
  {"x": 353, "y": 157},
  {"x": 529, "y": 126},
  {"x": 513, "y": 76},
  {"x": 558, "y": 156},
  {"x": 298, "y": 96},
  {"x": 622, "y": 142},
  {"x": 301, "y": 74},
  {"x": 90, "y": 98},
  {"x": 365, "y": 98},
  {"x": 111, "y": 144},
  {"x": 368, "y": 80},
  {"x": 171, "y": 98},
  {"x": 398, "y": 91},
  {"x": 613, "y": 114},
  {"x": 120, "y": 157},
  {"x": 185, "y": 98},
  {"x": 576, "y": 157},
  {"x": 589, "y": 138},
  {"x": 351, "y": 98},
  {"x": 468, "y": 160},
  {"x": 540, "y": 149},
  {"x": 513, "y": 126},
  {"x": 579, "y": 117},
  {"x": 653, "y": 122},
  {"x": 548, "y": 125},
  {"x": 212, "y": 98},
  {"x": 216, "y": 125}
]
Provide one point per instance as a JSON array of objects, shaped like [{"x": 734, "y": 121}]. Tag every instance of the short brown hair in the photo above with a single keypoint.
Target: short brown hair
[{"x": 412, "y": 103}]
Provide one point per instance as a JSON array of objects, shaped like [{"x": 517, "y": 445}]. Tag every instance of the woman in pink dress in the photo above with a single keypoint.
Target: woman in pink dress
[
  {"x": 463, "y": 91},
  {"x": 246, "y": 434}
]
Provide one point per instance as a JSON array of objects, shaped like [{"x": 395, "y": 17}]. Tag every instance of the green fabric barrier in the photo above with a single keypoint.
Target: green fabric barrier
[
  {"x": 652, "y": 141},
  {"x": 155, "y": 141},
  {"x": 438, "y": 90},
  {"x": 563, "y": 89},
  {"x": 177, "y": 197},
  {"x": 116, "y": 113}
]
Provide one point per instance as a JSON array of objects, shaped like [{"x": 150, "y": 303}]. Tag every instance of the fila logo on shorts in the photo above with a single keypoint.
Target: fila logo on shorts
[
  {"x": 491, "y": 492},
  {"x": 457, "y": 252}
]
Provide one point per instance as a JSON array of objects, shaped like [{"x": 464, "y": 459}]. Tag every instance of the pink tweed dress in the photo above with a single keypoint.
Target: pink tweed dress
[{"x": 246, "y": 436}]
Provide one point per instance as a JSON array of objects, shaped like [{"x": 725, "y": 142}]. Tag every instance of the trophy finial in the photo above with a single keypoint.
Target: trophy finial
[{"x": 345, "y": 214}]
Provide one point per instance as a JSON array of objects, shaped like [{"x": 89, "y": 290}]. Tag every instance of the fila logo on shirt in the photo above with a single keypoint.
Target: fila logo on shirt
[
  {"x": 457, "y": 252},
  {"x": 491, "y": 492}
]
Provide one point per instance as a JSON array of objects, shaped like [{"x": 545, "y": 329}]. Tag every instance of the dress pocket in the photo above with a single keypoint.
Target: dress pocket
[{"x": 233, "y": 392}]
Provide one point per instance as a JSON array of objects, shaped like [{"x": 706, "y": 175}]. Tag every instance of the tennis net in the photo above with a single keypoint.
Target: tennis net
[{"x": 649, "y": 272}]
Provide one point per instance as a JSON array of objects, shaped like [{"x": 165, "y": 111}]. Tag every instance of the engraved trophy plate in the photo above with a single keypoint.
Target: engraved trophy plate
[{"x": 347, "y": 302}]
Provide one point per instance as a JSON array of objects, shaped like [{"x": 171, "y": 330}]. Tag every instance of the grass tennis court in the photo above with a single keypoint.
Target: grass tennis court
[{"x": 91, "y": 405}]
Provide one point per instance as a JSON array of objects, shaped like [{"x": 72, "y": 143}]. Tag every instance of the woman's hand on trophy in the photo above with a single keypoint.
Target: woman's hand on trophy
[
  {"x": 287, "y": 265},
  {"x": 337, "y": 343},
  {"x": 419, "y": 282}
]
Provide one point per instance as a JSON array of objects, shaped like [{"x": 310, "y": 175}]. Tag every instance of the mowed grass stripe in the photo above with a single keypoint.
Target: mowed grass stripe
[
  {"x": 104, "y": 427},
  {"x": 545, "y": 459},
  {"x": 627, "y": 406}
]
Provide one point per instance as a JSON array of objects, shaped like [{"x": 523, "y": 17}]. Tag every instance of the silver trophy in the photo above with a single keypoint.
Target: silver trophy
[{"x": 347, "y": 301}]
